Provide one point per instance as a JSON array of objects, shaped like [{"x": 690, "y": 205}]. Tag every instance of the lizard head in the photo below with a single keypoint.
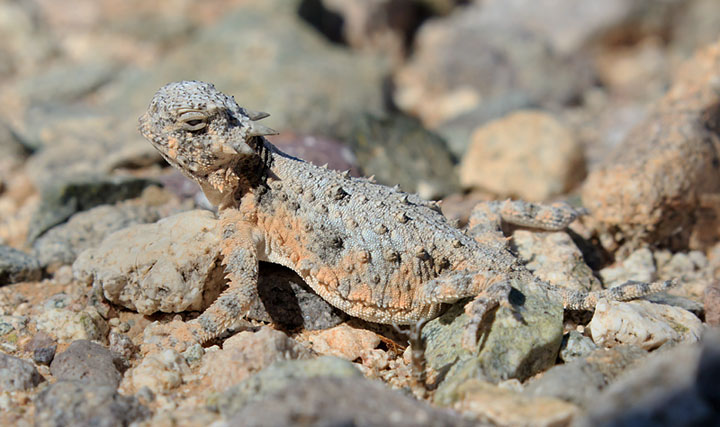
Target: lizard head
[{"x": 202, "y": 131}]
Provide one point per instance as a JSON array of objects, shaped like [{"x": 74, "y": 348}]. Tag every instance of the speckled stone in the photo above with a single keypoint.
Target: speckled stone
[
  {"x": 88, "y": 362},
  {"x": 77, "y": 403},
  {"x": 17, "y": 374}
]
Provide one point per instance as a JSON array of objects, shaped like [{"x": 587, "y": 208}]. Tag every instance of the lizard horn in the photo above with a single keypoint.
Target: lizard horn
[
  {"x": 255, "y": 115},
  {"x": 260, "y": 130}
]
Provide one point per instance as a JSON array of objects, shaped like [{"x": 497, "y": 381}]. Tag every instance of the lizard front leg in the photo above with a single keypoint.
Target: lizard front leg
[{"x": 240, "y": 257}]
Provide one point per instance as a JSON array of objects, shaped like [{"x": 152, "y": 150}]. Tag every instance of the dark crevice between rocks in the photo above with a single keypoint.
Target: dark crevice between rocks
[
  {"x": 404, "y": 15},
  {"x": 327, "y": 22}
]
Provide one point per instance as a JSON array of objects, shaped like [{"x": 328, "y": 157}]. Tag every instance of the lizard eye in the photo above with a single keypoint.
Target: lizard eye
[{"x": 193, "y": 120}]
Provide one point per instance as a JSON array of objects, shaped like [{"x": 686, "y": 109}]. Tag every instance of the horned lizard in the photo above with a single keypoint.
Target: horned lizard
[{"x": 373, "y": 251}]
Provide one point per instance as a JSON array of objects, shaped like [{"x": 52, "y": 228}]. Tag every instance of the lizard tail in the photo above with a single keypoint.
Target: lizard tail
[{"x": 630, "y": 290}]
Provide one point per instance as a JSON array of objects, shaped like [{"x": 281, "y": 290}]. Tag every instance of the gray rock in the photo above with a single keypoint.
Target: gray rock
[
  {"x": 12, "y": 151},
  {"x": 63, "y": 83},
  {"x": 76, "y": 140},
  {"x": 17, "y": 374},
  {"x": 67, "y": 197},
  {"x": 695, "y": 26},
  {"x": 482, "y": 56},
  {"x": 399, "y": 150},
  {"x": 332, "y": 401},
  {"x": 89, "y": 363},
  {"x": 509, "y": 349},
  {"x": 675, "y": 387},
  {"x": 279, "y": 376},
  {"x": 287, "y": 301},
  {"x": 576, "y": 346},
  {"x": 81, "y": 404},
  {"x": 17, "y": 266},
  {"x": 42, "y": 347},
  {"x": 581, "y": 380},
  {"x": 62, "y": 244},
  {"x": 45, "y": 355}
]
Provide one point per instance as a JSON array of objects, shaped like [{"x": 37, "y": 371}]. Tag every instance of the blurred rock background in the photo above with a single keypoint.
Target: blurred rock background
[{"x": 527, "y": 95}]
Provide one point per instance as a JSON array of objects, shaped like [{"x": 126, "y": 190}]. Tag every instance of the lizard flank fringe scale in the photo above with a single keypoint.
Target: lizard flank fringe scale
[{"x": 372, "y": 251}]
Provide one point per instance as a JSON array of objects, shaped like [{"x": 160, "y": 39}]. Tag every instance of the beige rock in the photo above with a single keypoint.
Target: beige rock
[
  {"x": 640, "y": 266},
  {"x": 160, "y": 372},
  {"x": 344, "y": 341},
  {"x": 169, "y": 266},
  {"x": 527, "y": 154},
  {"x": 642, "y": 323},
  {"x": 662, "y": 184},
  {"x": 504, "y": 407},
  {"x": 247, "y": 353},
  {"x": 67, "y": 325}
]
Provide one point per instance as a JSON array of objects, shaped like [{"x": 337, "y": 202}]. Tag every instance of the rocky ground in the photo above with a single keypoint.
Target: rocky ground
[{"x": 610, "y": 105}]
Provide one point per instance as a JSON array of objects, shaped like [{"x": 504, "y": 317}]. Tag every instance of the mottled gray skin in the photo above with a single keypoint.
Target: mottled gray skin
[{"x": 372, "y": 251}]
